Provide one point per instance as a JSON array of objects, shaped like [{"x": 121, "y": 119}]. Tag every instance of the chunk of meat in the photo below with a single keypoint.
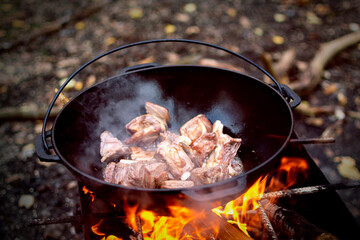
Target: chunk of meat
[
  {"x": 112, "y": 148},
  {"x": 158, "y": 111},
  {"x": 143, "y": 174},
  {"x": 109, "y": 172},
  {"x": 115, "y": 173},
  {"x": 175, "y": 138},
  {"x": 173, "y": 154},
  {"x": 138, "y": 153},
  {"x": 155, "y": 174},
  {"x": 236, "y": 167},
  {"x": 170, "y": 184},
  {"x": 130, "y": 173},
  {"x": 196, "y": 127},
  {"x": 207, "y": 175},
  {"x": 202, "y": 147},
  {"x": 226, "y": 148},
  {"x": 145, "y": 129}
]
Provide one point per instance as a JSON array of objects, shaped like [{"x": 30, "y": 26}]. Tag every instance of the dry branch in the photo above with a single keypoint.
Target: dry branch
[
  {"x": 25, "y": 113},
  {"x": 280, "y": 69},
  {"x": 311, "y": 77},
  {"x": 56, "y": 26},
  {"x": 312, "y": 111}
]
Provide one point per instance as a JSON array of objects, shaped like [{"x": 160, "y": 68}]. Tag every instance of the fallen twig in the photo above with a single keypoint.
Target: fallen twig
[
  {"x": 53, "y": 27},
  {"x": 25, "y": 113},
  {"x": 311, "y": 77},
  {"x": 312, "y": 111}
]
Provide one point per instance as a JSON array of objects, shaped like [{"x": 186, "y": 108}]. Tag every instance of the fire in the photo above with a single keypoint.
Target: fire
[
  {"x": 236, "y": 211},
  {"x": 178, "y": 225},
  {"x": 91, "y": 193},
  {"x": 185, "y": 223},
  {"x": 292, "y": 168}
]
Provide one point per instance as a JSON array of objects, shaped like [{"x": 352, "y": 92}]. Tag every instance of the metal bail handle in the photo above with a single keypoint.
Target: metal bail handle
[{"x": 143, "y": 43}]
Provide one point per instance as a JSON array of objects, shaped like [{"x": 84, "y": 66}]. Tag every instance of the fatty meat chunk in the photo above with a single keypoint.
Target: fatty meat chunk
[
  {"x": 112, "y": 148},
  {"x": 175, "y": 157},
  {"x": 170, "y": 184},
  {"x": 158, "y": 111},
  {"x": 202, "y": 147},
  {"x": 144, "y": 129},
  {"x": 143, "y": 174},
  {"x": 196, "y": 127},
  {"x": 138, "y": 153},
  {"x": 208, "y": 175},
  {"x": 226, "y": 147}
]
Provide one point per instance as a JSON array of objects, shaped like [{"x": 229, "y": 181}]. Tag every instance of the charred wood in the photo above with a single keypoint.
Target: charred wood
[
  {"x": 139, "y": 227},
  {"x": 309, "y": 190},
  {"x": 266, "y": 221},
  {"x": 292, "y": 224},
  {"x": 224, "y": 231}
]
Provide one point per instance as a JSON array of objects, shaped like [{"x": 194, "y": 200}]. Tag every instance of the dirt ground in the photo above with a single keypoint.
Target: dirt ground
[{"x": 43, "y": 42}]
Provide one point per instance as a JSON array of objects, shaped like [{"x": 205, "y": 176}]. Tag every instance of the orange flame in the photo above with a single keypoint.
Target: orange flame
[
  {"x": 91, "y": 193},
  {"x": 235, "y": 211},
  {"x": 182, "y": 222},
  {"x": 292, "y": 167},
  {"x": 95, "y": 229},
  {"x": 175, "y": 226}
]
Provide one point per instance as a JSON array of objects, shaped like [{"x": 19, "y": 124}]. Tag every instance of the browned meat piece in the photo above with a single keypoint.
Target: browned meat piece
[
  {"x": 114, "y": 173},
  {"x": 236, "y": 167},
  {"x": 155, "y": 174},
  {"x": 141, "y": 154},
  {"x": 202, "y": 147},
  {"x": 173, "y": 154},
  {"x": 109, "y": 172},
  {"x": 225, "y": 150},
  {"x": 169, "y": 184},
  {"x": 112, "y": 148},
  {"x": 145, "y": 129},
  {"x": 196, "y": 127},
  {"x": 143, "y": 174},
  {"x": 175, "y": 138},
  {"x": 207, "y": 175},
  {"x": 129, "y": 173},
  {"x": 158, "y": 111}
]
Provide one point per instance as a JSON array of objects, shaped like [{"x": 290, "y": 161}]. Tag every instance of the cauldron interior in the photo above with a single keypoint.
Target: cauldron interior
[{"x": 248, "y": 108}]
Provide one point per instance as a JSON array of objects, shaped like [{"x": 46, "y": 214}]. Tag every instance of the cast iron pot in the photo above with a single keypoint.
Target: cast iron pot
[{"x": 258, "y": 113}]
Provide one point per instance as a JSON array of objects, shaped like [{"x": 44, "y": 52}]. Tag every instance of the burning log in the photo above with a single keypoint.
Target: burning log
[
  {"x": 267, "y": 223},
  {"x": 139, "y": 227},
  {"x": 309, "y": 190},
  {"x": 225, "y": 230},
  {"x": 292, "y": 224}
]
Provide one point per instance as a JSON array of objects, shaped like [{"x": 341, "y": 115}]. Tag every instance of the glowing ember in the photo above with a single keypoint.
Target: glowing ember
[{"x": 87, "y": 191}]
